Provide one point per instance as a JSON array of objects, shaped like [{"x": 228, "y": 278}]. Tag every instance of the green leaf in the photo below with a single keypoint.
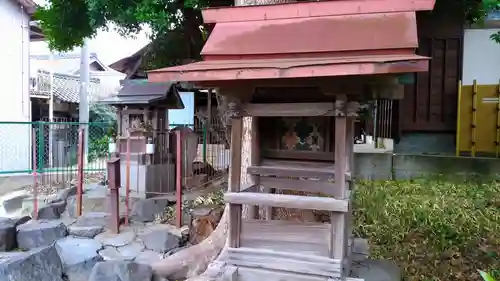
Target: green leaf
[{"x": 486, "y": 276}]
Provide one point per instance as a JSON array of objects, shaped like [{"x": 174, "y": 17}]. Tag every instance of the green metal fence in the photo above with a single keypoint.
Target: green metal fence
[
  {"x": 51, "y": 147},
  {"x": 50, "y": 150}
]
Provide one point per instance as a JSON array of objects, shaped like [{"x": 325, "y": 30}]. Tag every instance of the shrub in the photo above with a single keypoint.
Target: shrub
[{"x": 435, "y": 229}]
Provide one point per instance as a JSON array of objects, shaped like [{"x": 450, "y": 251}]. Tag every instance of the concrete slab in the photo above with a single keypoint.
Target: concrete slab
[
  {"x": 120, "y": 270},
  {"x": 116, "y": 240},
  {"x": 78, "y": 257},
  {"x": 37, "y": 264},
  {"x": 376, "y": 270},
  {"x": 85, "y": 231},
  {"x": 160, "y": 238},
  {"x": 131, "y": 251},
  {"x": 40, "y": 233},
  {"x": 110, "y": 253}
]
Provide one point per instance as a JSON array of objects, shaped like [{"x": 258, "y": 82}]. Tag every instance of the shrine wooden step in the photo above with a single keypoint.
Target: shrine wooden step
[
  {"x": 295, "y": 169},
  {"x": 284, "y": 262},
  {"x": 256, "y": 274},
  {"x": 304, "y": 185},
  {"x": 309, "y": 238},
  {"x": 288, "y": 201}
]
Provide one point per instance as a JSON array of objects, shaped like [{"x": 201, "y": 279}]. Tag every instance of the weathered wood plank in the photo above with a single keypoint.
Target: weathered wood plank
[
  {"x": 255, "y": 274},
  {"x": 305, "y": 247},
  {"x": 236, "y": 134},
  {"x": 258, "y": 258},
  {"x": 347, "y": 261},
  {"x": 286, "y": 231},
  {"x": 314, "y": 186},
  {"x": 230, "y": 273},
  {"x": 255, "y": 159},
  {"x": 287, "y": 255},
  {"x": 308, "y": 238},
  {"x": 250, "y": 187},
  {"x": 288, "y": 201},
  {"x": 282, "y": 171},
  {"x": 306, "y": 169},
  {"x": 298, "y": 164},
  {"x": 289, "y": 109},
  {"x": 298, "y": 154},
  {"x": 235, "y": 181},
  {"x": 350, "y": 144},
  {"x": 338, "y": 243}
]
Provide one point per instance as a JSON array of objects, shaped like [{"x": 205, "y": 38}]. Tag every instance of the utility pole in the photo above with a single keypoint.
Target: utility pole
[
  {"x": 84, "y": 95},
  {"x": 51, "y": 111}
]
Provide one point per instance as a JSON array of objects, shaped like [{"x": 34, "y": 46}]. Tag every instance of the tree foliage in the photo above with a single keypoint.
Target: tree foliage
[{"x": 176, "y": 25}]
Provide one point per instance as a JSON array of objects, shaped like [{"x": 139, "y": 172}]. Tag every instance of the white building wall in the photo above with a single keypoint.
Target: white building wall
[
  {"x": 109, "y": 83},
  {"x": 15, "y": 139},
  {"x": 481, "y": 57}
]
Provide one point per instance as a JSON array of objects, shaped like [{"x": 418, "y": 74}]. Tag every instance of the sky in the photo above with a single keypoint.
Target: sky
[{"x": 109, "y": 46}]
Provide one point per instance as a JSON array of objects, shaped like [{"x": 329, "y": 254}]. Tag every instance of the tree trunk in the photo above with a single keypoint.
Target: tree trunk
[{"x": 194, "y": 260}]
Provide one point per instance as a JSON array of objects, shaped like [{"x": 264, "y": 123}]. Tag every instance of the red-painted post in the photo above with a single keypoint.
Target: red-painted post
[
  {"x": 178, "y": 179},
  {"x": 79, "y": 188},
  {"x": 113, "y": 169}
]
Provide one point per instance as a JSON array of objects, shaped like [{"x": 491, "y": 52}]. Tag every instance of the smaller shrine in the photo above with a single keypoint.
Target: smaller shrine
[
  {"x": 294, "y": 76},
  {"x": 142, "y": 140}
]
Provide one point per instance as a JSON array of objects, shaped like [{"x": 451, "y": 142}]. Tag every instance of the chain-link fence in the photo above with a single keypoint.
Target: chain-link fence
[
  {"x": 211, "y": 160},
  {"x": 50, "y": 148}
]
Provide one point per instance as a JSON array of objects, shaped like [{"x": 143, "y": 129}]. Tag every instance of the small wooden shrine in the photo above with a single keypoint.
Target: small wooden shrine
[
  {"x": 142, "y": 109},
  {"x": 294, "y": 75}
]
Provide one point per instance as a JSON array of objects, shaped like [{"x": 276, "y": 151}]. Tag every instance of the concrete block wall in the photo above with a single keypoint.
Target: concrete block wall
[
  {"x": 428, "y": 143},
  {"x": 384, "y": 166}
]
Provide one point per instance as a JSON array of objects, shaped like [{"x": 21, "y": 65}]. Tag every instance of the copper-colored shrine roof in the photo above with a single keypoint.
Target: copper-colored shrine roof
[{"x": 306, "y": 39}]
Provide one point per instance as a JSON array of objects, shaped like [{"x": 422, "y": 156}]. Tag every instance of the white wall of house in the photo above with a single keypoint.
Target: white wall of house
[
  {"x": 15, "y": 139},
  {"x": 481, "y": 57},
  {"x": 109, "y": 82}
]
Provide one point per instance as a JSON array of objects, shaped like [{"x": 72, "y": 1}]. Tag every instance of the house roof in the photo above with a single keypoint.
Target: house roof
[
  {"x": 142, "y": 92},
  {"x": 29, "y": 5},
  {"x": 66, "y": 87},
  {"x": 130, "y": 65},
  {"x": 36, "y": 33},
  {"x": 66, "y": 63}
]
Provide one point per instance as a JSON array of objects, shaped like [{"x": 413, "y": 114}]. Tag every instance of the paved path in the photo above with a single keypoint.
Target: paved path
[{"x": 9, "y": 183}]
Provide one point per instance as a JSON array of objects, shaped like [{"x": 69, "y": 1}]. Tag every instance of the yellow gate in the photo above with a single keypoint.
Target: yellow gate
[{"x": 478, "y": 122}]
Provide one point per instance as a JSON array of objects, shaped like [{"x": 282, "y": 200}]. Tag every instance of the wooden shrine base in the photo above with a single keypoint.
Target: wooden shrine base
[
  {"x": 305, "y": 238},
  {"x": 222, "y": 271},
  {"x": 275, "y": 250}
]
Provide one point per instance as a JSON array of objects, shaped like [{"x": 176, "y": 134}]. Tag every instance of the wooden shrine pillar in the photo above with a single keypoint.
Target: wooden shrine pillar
[
  {"x": 341, "y": 223},
  {"x": 337, "y": 219},
  {"x": 351, "y": 116},
  {"x": 235, "y": 210},
  {"x": 249, "y": 151}
]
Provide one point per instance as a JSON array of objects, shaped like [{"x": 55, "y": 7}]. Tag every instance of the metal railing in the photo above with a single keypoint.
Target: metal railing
[
  {"x": 51, "y": 148},
  {"x": 53, "y": 145}
]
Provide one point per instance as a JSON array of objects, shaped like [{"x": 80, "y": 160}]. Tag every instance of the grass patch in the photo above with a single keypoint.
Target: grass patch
[{"x": 435, "y": 229}]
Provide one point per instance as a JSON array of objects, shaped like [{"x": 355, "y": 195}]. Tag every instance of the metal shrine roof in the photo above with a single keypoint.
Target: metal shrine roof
[
  {"x": 306, "y": 39},
  {"x": 142, "y": 92}
]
